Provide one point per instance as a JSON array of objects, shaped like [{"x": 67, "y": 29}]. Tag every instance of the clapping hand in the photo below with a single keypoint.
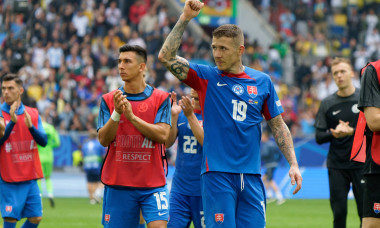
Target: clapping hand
[
  {"x": 187, "y": 105},
  {"x": 343, "y": 129},
  {"x": 12, "y": 111},
  {"x": 176, "y": 109}
]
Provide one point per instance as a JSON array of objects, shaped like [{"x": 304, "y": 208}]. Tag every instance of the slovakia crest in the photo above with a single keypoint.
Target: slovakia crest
[
  {"x": 252, "y": 91},
  {"x": 219, "y": 218},
  {"x": 238, "y": 89},
  {"x": 107, "y": 218},
  {"x": 376, "y": 208},
  {"x": 8, "y": 209}
]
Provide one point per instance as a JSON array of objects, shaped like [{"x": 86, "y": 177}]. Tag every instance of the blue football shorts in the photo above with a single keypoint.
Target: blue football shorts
[
  {"x": 184, "y": 209},
  {"x": 121, "y": 207},
  {"x": 233, "y": 200},
  {"x": 20, "y": 200}
]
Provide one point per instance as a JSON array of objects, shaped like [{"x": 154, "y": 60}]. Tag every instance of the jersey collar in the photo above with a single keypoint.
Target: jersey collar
[{"x": 6, "y": 108}]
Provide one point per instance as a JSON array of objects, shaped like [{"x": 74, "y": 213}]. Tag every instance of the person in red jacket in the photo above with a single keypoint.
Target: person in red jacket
[
  {"x": 20, "y": 165},
  {"x": 370, "y": 105},
  {"x": 134, "y": 123}
]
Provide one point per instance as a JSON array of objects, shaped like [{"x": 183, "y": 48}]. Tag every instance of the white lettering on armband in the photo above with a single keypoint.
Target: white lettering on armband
[{"x": 115, "y": 116}]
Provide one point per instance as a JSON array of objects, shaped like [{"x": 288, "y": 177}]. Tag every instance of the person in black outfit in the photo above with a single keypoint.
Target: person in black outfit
[
  {"x": 369, "y": 103},
  {"x": 335, "y": 122}
]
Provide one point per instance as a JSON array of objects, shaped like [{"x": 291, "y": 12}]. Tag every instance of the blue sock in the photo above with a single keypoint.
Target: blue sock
[
  {"x": 141, "y": 226},
  {"x": 28, "y": 224},
  {"x": 9, "y": 224}
]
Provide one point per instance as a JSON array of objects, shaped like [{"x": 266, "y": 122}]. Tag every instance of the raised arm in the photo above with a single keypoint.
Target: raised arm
[
  {"x": 178, "y": 66},
  {"x": 284, "y": 141}
]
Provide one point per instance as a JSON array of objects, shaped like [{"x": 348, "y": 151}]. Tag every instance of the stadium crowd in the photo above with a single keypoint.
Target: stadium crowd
[{"x": 66, "y": 51}]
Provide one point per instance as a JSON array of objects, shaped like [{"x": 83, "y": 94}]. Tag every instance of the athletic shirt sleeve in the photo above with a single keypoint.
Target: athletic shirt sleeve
[
  {"x": 370, "y": 92},
  {"x": 320, "y": 120},
  {"x": 272, "y": 106},
  {"x": 104, "y": 114},
  {"x": 164, "y": 114},
  {"x": 195, "y": 78}
]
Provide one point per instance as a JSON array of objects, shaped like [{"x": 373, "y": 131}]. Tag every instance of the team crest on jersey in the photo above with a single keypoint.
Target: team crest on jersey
[
  {"x": 376, "y": 208},
  {"x": 107, "y": 218},
  {"x": 8, "y": 209},
  {"x": 355, "y": 109},
  {"x": 252, "y": 91},
  {"x": 143, "y": 107},
  {"x": 238, "y": 89},
  {"x": 219, "y": 218}
]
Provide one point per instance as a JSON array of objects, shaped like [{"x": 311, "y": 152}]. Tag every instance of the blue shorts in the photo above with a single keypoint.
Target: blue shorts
[
  {"x": 20, "y": 200},
  {"x": 233, "y": 200},
  {"x": 93, "y": 176},
  {"x": 121, "y": 207},
  {"x": 184, "y": 209}
]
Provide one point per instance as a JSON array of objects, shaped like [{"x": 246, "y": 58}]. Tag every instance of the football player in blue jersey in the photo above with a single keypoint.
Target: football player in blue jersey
[
  {"x": 233, "y": 99},
  {"x": 185, "y": 195}
]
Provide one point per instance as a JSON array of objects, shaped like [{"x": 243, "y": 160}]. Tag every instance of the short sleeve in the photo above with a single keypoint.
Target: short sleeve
[
  {"x": 104, "y": 114},
  {"x": 272, "y": 105},
  {"x": 164, "y": 114},
  {"x": 370, "y": 92}
]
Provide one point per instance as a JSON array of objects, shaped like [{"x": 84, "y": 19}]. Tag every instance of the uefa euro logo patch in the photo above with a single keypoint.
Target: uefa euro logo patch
[
  {"x": 252, "y": 91},
  {"x": 238, "y": 89},
  {"x": 107, "y": 218},
  {"x": 219, "y": 218},
  {"x": 376, "y": 208}
]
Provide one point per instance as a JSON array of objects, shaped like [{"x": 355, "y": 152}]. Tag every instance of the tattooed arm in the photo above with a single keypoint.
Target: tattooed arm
[
  {"x": 284, "y": 141},
  {"x": 168, "y": 53}
]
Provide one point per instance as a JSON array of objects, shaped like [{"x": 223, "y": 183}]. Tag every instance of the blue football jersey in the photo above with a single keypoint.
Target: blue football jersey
[
  {"x": 233, "y": 107},
  {"x": 93, "y": 153},
  {"x": 187, "y": 176}
]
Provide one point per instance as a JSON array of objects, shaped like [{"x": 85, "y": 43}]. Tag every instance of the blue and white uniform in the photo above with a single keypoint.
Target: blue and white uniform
[
  {"x": 185, "y": 195},
  {"x": 233, "y": 106}
]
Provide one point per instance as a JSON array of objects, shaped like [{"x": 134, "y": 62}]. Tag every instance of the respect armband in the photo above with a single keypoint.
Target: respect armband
[{"x": 115, "y": 116}]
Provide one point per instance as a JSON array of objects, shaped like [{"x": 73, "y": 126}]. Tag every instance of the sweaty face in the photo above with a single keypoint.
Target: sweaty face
[
  {"x": 342, "y": 75},
  {"x": 226, "y": 53},
  {"x": 129, "y": 65},
  {"x": 11, "y": 91}
]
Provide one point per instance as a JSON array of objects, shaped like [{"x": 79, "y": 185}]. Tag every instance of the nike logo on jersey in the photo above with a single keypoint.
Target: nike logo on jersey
[
  {"x": 161, "y": 214},
  {"x": 218, "y": 84},
  {"x": 336, "y": 112},
  {"x": 181, "y": 124}
]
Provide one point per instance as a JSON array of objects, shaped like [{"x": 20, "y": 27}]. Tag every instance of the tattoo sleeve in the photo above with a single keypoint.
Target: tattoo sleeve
[
  {"x": 283, "y": 138},
  {"x": 178, "y": 66}
]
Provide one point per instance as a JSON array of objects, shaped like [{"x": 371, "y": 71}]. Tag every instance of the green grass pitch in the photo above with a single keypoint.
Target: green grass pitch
[{"x": 77, "y": 212}]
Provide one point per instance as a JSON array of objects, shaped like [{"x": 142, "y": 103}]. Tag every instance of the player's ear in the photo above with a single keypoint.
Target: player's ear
[
  {"x": 241, "y": 49},
  {"x": 21, "y": 90},
  {"x": 142, "y": 67}
]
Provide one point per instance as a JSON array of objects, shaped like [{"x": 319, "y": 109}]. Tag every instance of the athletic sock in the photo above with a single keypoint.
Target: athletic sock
[
  {"x": 279, "y": 195},
  {"x": 9, "y": 224},
  {"x": 49, "y": 187},
  {"x": 28, "y": 224}
]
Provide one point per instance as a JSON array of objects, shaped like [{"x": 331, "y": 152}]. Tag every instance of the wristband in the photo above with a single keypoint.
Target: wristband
[{"x": 115, "y": 116}]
